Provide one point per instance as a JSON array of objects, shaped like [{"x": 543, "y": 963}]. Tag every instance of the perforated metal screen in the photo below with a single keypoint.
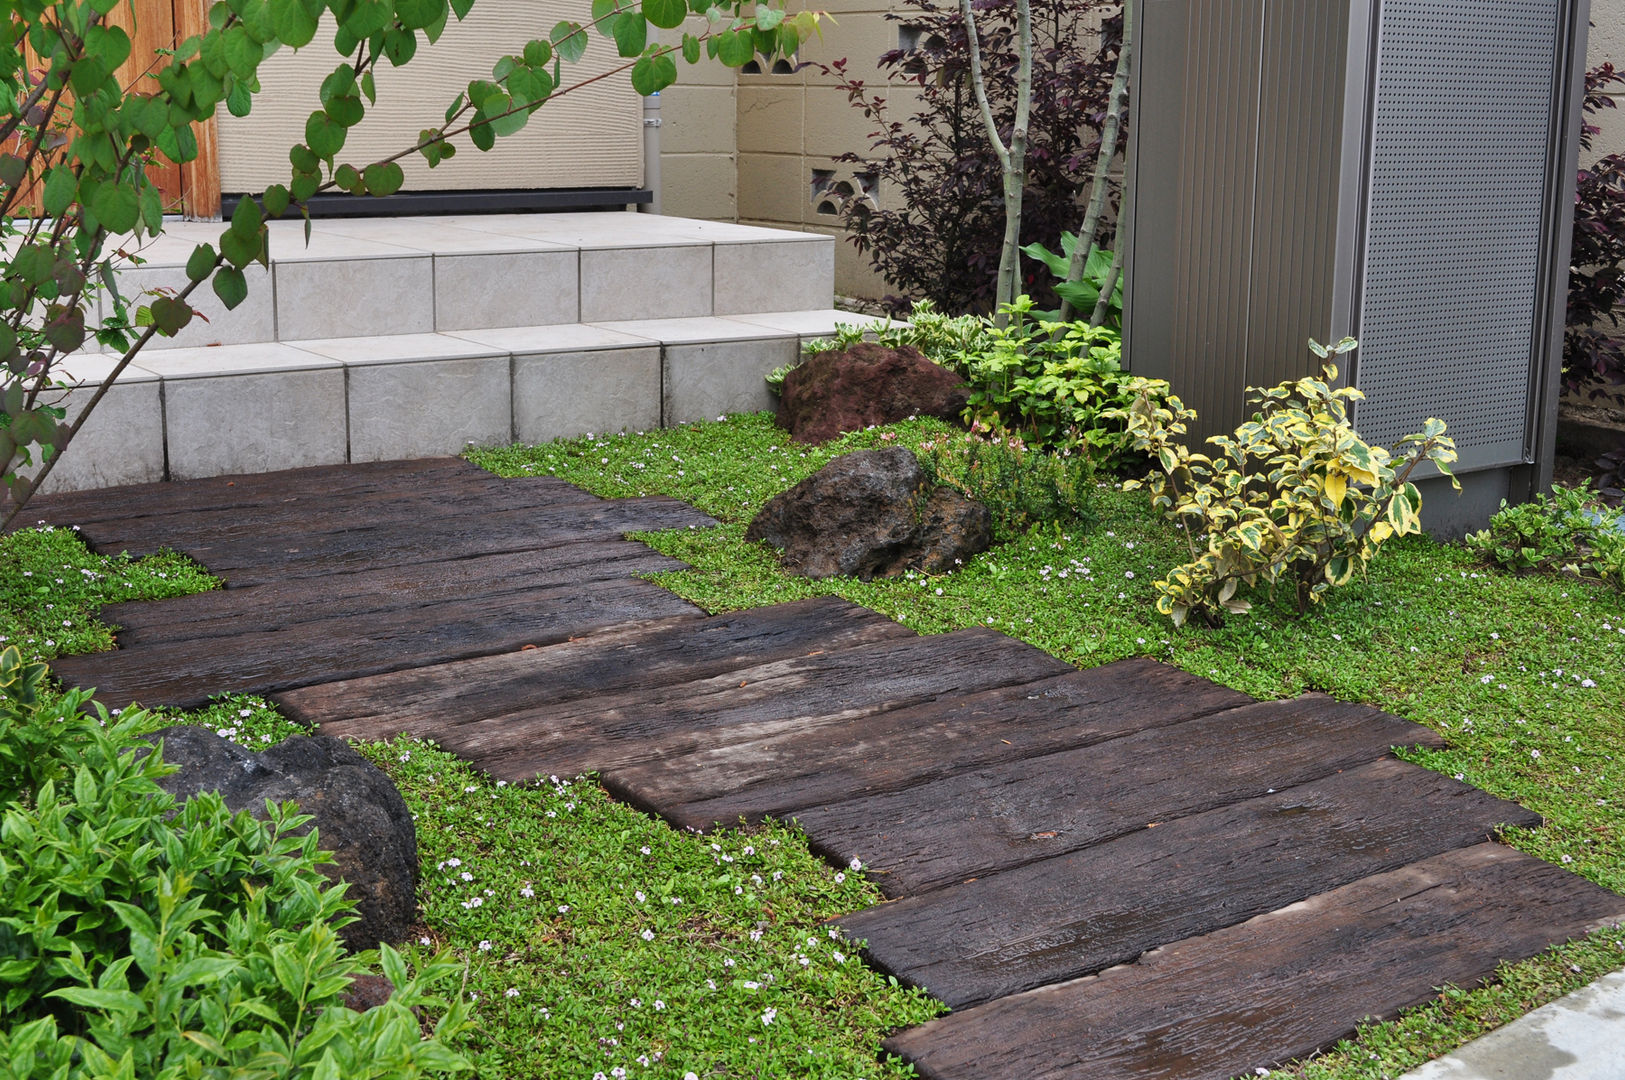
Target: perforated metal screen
[{"x": 1458, "y": 182}]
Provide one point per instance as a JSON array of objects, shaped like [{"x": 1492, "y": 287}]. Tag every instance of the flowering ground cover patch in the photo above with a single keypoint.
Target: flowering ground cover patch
[{"x": 1525, "y": 676}]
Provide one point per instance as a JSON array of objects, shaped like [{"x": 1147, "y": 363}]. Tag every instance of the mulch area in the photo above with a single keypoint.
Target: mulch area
[{"x": 1125, "y": 871}]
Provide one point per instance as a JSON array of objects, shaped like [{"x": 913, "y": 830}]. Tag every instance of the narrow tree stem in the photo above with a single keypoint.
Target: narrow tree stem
[{"x": 1103, "y": 161}]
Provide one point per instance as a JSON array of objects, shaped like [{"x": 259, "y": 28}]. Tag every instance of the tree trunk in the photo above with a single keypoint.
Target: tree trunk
[
  {"x": 1012, "y": 158},
  {"x": 1103, "y": 161}
]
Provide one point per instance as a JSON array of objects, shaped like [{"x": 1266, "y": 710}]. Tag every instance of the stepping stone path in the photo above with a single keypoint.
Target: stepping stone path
[{"x": 1124, "y": 872}]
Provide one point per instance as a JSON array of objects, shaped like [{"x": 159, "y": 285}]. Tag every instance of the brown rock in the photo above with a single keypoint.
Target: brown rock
[
  {"x": 862, "y": 385},
  {"x": 871, "y": 514}
]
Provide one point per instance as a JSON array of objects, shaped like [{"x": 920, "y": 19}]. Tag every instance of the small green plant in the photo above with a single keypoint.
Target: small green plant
[
  {"x": 939, "y": 337},
  {"x": 1084, "y": 293},
  {"x": 139, "y": 937},
  {"x": 1294, "y": 495},
  {"x": 1569, "y": 530},
  {"x": 1054, "y": 384},
  {"x": 1020, "y": 486}
]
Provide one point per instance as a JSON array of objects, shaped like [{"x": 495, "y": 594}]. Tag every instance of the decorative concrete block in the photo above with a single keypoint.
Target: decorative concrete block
[
  {"x": 707, "y": 380},
  {"x": 123, "y": 440},
  {"x": 531, "y": 289},
  {"x": 353, "y": 297},
  {"x": 252, "y": 320},
  {"x": 657, "y": 282},
  {"x": 781, "y": 276},
  {"x": 428, "y": 408},
  {"x": 558, "y": 395},
  {"x": 255, "y": 422}
]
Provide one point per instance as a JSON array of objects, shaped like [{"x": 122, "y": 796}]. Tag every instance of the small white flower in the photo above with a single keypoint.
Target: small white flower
[
  {"x": 527, "y": 892},
  {"x": 648, "y": 935},
  {"x": 855, "y": 864},
  {"x": 660, "y": 1006},
  {"x": 768, "y": 1016},
  {"x": 424, "y": 940},
  {"x": 485, "y": 946},
  {"x": 512, "y": 991},
  {"x": 644, "y": 849}
]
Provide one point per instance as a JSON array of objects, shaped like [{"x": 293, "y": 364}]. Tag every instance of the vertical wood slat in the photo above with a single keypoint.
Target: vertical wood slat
[
  {"x": 151, "y": 26},
  {"x": 200, "y": 177}
]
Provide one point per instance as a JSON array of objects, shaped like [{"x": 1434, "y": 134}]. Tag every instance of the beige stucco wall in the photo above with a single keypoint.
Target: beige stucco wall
[
  {"x": 1607, "y": 44},
  {"x": 760, "y": 148},
  {"x": 699, "y": 149}
]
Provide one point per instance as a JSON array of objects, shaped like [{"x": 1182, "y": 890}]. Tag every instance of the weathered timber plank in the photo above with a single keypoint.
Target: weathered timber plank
[
  {"x": 990, "y": 819},
  {"x": 188, "y": 673},
  {"x": 608, "y": 732},
  {"x": 226, "y": 613},
  {"x": 298, "y": 517},
  {"x": 415, "y": 539},
  {"x": 1277, "y": 987},
  {"x": 444, "y": 696},
  {"x": 241, "y": 491},
  {"x": 1087, "y": 910},
  {"x": 848, "y": 757}
]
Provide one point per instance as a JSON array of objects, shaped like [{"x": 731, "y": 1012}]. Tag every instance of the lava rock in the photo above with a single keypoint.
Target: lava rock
[
  {"x": 872, "y": 514},
  {"x": 359, "y": 814},
  {"x": 850, "y": 389}
]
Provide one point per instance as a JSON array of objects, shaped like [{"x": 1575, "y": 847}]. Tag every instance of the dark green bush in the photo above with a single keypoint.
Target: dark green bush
[
  {"x": 1020, "y": 486},
  {"x": 147, "y": 939},
  {"x": 1053, "y": 384},
  {"x": 1569, "y": 530}
]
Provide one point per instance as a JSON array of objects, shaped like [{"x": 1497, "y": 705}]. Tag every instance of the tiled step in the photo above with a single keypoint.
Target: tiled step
[{"x": 415, "y": 337}]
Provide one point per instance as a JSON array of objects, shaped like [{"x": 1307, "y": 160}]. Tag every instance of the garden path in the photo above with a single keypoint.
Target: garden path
[{"x": 1126, "y": 871}]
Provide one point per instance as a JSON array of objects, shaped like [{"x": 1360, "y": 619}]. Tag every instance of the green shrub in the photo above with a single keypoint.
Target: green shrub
[
  {"x": 144, "y": 938},
  {"x": 1049, "y": 384},
  {"x": 1295, "y": 495},
  {"x": 1053, "y": 384},
  {"x": 1568, "y": 530},
  {"x": 940, "y": 337},
  {"x": 1020, "y": 486},
  {"x": 1083, "y": 294}
]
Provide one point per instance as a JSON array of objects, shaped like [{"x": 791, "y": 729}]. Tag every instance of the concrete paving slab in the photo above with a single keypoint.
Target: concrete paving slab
[{"x": 1578, "y": 1037}]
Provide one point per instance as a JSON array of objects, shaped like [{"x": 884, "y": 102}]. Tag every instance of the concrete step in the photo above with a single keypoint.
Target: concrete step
[
  {"x": 183, "y": 413},
  {"x": 387, "y": 338},
  {"x": 360, "y": 277}
]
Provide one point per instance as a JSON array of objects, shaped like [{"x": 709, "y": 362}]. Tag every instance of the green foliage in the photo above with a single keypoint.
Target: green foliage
[
  {"x": 1054, "y": 384},
  {"x": 1295, "y": 495},
  {"x": 1021, "y": 487},
  {"x": 1049, "y": 385},
  {"x": 80, "y": 141},
  {"x": 139, "y": 937},
  {"x": 1569, "y": 530},
  {"x": 1084, "y": 293}
]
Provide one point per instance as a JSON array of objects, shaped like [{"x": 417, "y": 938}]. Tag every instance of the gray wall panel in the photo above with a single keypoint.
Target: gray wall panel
[
  {"x": 1457, "y": 191},
  {"x": 1213, "y": 260},
  {"x": 1295, "y": 215}
]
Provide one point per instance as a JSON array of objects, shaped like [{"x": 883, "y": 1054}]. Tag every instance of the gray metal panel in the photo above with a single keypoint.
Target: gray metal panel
[
  {"x": 1213, "y": 262},
  {"x": 1458, "y": 188},
  {"x": 1155, "y": 166},
  {"x": 1297, "y": 194}
]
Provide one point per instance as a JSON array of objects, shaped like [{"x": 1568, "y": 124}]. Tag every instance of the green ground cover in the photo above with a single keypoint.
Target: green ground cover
[{"x": 597, "y": 939}]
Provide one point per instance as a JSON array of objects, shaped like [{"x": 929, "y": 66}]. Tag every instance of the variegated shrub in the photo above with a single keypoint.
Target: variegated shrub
[{"x": 1294, "y": 495}]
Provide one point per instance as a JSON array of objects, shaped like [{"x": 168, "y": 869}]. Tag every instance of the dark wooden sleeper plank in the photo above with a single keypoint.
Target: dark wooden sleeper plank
[
  {"x": 852, "y": 756},
  {"x": 1087, "y": 910},
  {"x": 243, "y": 492},
  {"x": 443, "y": 696},
  {"x": 605, "y": 733},
  {"x": 414, "y": 539},
  {"x": 993, "y": 818},
  {"x": 1277, "y": 987},
  {"x": 188, "y": 673},
  {"x": 303, "y": 516},
  {"x": 226, "y": 613}
]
